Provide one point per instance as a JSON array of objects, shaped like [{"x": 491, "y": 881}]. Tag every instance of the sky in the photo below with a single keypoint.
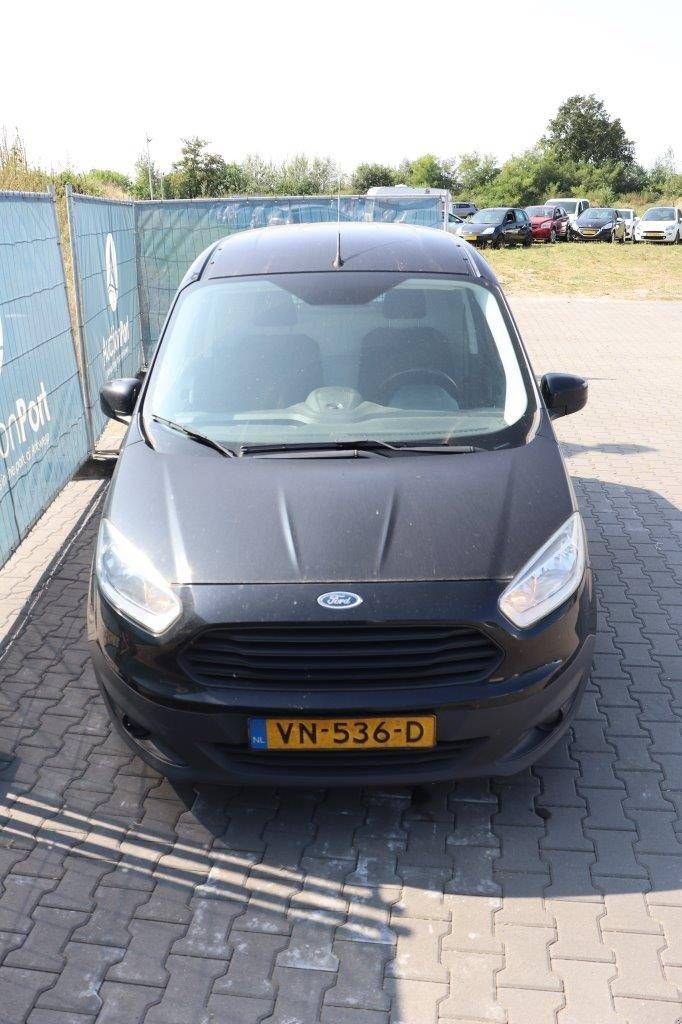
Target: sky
[{"x": 86, "y": 82}]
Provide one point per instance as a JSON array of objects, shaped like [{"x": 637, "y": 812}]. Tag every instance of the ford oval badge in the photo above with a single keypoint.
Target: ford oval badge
[{"x": 337, "y": 600}]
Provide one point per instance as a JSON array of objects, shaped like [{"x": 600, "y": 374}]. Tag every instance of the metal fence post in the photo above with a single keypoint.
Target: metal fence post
[
  {"x": 79, "y": 336},
  {"x": 142, "y": 297}
]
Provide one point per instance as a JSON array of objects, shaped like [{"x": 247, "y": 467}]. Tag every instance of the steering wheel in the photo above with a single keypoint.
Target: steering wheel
[{"x": 418, "y": 376}]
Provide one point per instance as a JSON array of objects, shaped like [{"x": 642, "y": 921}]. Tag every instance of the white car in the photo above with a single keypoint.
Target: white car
[
  {"x": 631, "y": 221},
  {"x": 660, "y": 224},
  {"x": 573, "y": 207}
]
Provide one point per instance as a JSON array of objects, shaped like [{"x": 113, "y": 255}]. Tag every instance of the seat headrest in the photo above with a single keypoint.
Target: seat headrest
[
  {"x": 404, "y": 304},
  {"x": 276, "y": 310}
]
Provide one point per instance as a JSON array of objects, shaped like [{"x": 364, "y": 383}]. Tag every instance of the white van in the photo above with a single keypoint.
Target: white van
[{"x": 573, "y": 207}]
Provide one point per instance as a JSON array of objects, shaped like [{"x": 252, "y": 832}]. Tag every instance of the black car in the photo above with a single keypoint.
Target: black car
[
  {"x": 498, "y": 226},
  {"x": 599, "y": 224},
  {"x": 340, "y": 544}
]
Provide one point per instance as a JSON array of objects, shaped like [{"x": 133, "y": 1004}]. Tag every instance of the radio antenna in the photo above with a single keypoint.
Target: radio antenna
[{"x": 338, "y": 261}]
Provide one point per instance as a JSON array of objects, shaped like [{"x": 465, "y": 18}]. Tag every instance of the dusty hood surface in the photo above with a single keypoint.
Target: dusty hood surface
[{"x": 207, "y": 519}]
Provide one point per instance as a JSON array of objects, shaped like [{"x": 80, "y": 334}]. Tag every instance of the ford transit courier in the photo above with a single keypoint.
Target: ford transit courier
[{"x": 340, "y": 545}]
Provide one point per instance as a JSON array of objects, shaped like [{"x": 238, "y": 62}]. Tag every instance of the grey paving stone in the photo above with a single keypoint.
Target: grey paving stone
[
  {"x": 360, "y": 976},
  {"x": 209, "y": 930},
  {"x": 236, "y": 1009},
  {"x": 124, "y": 1003},
  {"x": 251, "y": 966},
  {"x": 564, "y": 830},
  {"x": 309, "y": 947},
  {"x": 615, "y": 854},
  {"x": 351, "y": 1015},
  {"x": 145, "y": 957},
  {"x": 186, "y": 995},
  {"x": 299, "y": 995},
  {"x": 78, "y": 986},
  {"x": 43, "y": 949},
  {"x": 20, "y": 988},
  {"x": 520, "y": 849},
  {"x": 109, "y": 923}
]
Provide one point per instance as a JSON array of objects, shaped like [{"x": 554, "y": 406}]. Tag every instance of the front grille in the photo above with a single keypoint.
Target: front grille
[{"x": 326, "y": 656}]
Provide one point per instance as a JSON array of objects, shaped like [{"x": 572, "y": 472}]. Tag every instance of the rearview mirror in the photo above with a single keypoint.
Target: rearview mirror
[
  {"x": 563, "y": 393},
  {"x": 117, "y": 398}
]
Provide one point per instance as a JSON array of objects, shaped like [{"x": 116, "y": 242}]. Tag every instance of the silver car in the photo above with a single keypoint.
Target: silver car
[{"x": 630, "y": 219}]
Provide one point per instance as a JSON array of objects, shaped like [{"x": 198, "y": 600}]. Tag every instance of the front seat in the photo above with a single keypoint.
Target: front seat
[
  {"x": 269, "y": 367},
  {"x": 400, "y": 346}
]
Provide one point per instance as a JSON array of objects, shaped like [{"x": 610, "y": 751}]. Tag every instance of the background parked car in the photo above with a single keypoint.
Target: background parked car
[
  {"x": 631, "y": 219},
  {"x": 463, "y": 209},
  {"x": 573, "y": 207},
  {"x": 497, "y": 226},
  {"x": 548, "y": 223},
  {"x": 660, "y": 224},
  {"x": 600, "y": 224}
]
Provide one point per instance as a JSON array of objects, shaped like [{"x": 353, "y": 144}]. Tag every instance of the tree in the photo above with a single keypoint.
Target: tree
[
  {"x": 428, "y": 171},
  {"x": 301, "y": 176},
  {"x": 140, "y": 183},
  {"x": 366, "y": 176},
  {"x": 106, "y": 177},
  {"x": 475, "y": 171},
  {"x": 664, "y": 168},
  {"x": 261, "y": 176},
  {"x": 199, "y": 174},
  {"x": 583, "y": 131},
  {"x": 527, "y": 178}
]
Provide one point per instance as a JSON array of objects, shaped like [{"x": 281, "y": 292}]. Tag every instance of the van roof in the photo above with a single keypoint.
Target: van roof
[{"x": 298, "y": 248}]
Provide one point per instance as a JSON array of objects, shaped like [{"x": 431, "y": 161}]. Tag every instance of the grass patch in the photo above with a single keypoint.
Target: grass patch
[{"x": 627, "y": 271}]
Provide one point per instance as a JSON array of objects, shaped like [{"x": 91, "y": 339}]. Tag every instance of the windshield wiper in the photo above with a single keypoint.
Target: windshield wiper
[
  {"x": 195, "y": 436},
  {"x": 353, "y": 449}
]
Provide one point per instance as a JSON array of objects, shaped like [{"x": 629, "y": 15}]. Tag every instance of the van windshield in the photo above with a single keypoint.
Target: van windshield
[{"x": 341, "y": 356}]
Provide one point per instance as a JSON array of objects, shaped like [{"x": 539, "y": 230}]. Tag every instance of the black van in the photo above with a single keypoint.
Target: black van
[{"x": 340, "y": 545}]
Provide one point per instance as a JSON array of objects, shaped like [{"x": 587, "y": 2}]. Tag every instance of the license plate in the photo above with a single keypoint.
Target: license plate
[
  {"x": 470, "y": 238},
  {"x": 588, "y": 231},
  {"x": 341, "y": 733}
]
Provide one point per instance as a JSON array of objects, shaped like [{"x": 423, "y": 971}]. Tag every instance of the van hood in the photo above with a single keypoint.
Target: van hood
[{"x": 202, "y": 518}]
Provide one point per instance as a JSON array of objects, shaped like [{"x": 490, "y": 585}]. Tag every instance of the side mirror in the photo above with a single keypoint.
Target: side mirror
[
  {"x": 563, "y": 393},
  {"x": 117, "y": 398}
]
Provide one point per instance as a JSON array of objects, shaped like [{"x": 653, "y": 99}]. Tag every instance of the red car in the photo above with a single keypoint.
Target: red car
[{"x": 548, "y": 223}]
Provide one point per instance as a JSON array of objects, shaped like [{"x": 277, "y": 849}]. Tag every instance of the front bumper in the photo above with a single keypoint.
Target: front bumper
[
  {"x": 654, "y": 236},
  {"x": 480, "y": 240},
  {"x": 541, "y": 234},
  {"x": 603, "y": 235},
  {"x": 483, "y": 728}
]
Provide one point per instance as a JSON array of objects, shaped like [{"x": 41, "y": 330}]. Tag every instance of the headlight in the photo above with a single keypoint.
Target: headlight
[
  {"x": 670, "y": 229},
  {"x": 131, "y": 584},
  {"x": 549, "y": 578},
  {"x": 487, "y": 231},
  {"x": 546, "y": 224}
]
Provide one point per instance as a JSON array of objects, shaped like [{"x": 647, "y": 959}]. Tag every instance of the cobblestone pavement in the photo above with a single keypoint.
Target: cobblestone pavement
[{"x": 555, "y": 895}]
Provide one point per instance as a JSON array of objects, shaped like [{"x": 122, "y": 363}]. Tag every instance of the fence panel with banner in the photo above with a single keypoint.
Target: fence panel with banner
[
  {"x": 103, "y": 247},
  {"x": 171, "y": 233},
  {"x": 43, "y": 437}
]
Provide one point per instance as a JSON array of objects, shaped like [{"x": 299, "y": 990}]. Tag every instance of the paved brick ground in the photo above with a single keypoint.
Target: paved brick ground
[{"x": 553, "y": 896}]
